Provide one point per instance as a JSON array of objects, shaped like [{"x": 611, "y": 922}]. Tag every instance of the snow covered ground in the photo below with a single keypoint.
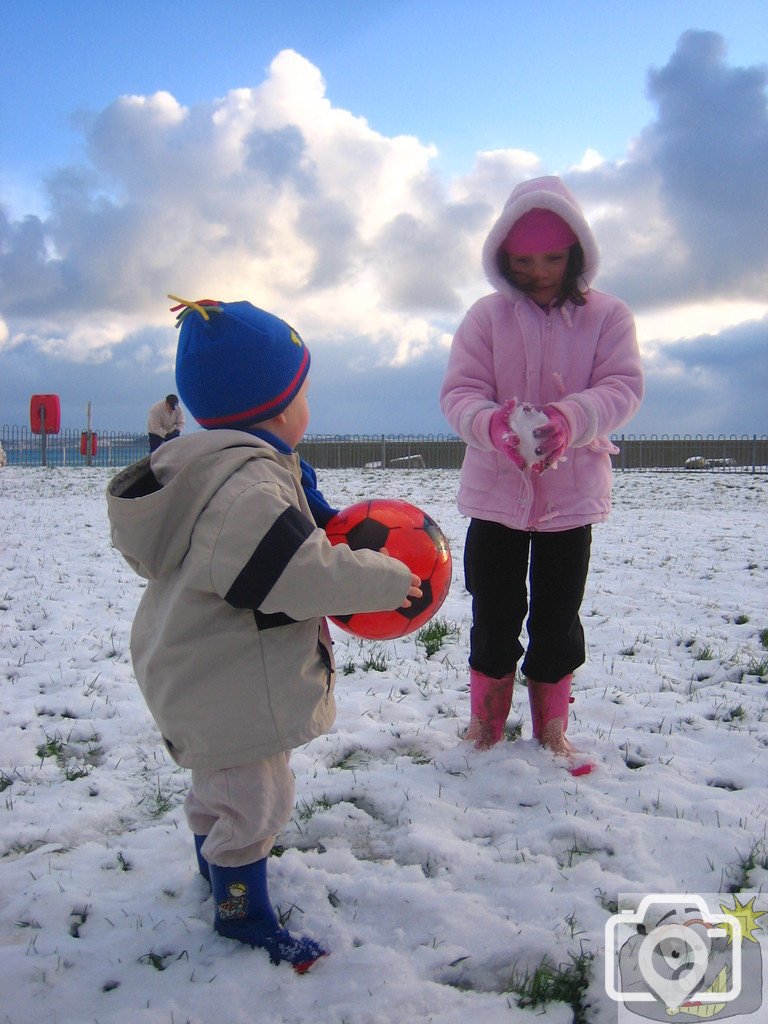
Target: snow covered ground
[{"x": 440, "y": 878}]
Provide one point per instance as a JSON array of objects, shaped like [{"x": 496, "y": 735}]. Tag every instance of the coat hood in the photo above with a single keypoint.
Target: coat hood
[
  {"x": 155, "y": 504},
  {"x": 548, "y": 193}
]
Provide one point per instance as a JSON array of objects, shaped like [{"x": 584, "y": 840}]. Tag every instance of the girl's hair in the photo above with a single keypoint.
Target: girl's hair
[
  {"x": 574, "y": 269},
  {"x": 573, "y": 273}
]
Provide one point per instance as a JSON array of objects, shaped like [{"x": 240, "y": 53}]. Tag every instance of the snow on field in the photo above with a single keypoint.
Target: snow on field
[{"x": 440, "y": 878}]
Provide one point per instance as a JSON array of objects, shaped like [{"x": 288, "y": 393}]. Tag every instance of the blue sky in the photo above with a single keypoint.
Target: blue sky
[{"x": 339, "y": 163}]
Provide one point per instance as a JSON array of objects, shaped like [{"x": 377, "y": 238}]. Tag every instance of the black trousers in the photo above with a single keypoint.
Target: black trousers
[
  {"x": 496, "y": 571},
  {"x": 155, "y": 440}
]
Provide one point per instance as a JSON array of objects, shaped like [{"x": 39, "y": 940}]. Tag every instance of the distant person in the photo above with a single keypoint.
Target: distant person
[
  {"x": 165, "y": 421},
  {"x": 230, "y": 645},
  {"x": 543, "y": 345}
]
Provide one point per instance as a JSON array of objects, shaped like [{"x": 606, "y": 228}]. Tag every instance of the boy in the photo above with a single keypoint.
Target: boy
[{"x": 229, "y": 645}]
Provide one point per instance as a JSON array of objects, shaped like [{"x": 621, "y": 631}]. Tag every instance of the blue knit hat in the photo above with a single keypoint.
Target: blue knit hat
[{"x": 236, "y": 364}]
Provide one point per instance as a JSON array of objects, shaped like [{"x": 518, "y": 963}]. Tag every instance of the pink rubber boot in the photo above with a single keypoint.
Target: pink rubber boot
[
  {"x": 489, "y": 700},
  {"x": 550, "y": 704}
]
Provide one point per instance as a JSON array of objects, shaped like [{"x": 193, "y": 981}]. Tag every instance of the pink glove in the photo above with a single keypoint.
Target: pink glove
[
  {"x": 554, "y": 437},
  {"x": 503, "y": 439}
]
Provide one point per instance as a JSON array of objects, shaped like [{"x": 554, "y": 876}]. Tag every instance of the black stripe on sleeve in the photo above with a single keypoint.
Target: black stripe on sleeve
[
  {"x": 267, "y": 563},
  {"x": 273, "y": 621}
]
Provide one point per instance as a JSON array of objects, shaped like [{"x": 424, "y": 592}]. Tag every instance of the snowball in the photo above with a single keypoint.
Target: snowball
[{"x": 523, "y": 420}]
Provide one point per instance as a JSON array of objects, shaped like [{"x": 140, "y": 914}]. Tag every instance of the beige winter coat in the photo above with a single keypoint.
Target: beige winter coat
[
  {"x": 229, "y": 644},
  {"x": 163, "y": 421}
]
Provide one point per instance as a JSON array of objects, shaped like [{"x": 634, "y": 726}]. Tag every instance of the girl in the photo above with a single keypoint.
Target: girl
[{"x": 542, "y": 346}]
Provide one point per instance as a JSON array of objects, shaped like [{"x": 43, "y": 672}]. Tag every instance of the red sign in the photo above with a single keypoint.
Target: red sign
[
  {"x": 47, "y": 409},
  {"x": 84, "y": 443}
]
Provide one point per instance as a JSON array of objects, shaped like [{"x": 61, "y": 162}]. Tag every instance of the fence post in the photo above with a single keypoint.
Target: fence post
[
  {"x": 43, "y": 451},
  {"x": 88, "y": 453}
]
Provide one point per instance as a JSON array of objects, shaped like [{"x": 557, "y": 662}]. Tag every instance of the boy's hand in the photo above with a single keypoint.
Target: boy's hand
[{"x": 415, "y": 588}]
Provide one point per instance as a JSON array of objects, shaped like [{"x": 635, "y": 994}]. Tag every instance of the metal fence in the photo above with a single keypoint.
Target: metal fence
[
  {"x": 71, "y": 448},
  {"x": 430, "y": 451}
]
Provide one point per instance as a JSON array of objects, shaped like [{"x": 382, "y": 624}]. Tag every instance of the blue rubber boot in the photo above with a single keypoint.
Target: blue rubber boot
[
  {"x": 202, "y": 864},
  {"x": 244, "y": 912}
]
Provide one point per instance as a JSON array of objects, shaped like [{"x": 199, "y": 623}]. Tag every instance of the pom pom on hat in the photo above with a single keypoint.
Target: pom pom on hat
[
  {"x": 236, "y": 364},
  {"x": 537, "y": 231}
]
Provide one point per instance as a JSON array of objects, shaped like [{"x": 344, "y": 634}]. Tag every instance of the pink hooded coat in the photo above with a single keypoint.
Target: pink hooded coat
[{"x": 584, "y": 360}]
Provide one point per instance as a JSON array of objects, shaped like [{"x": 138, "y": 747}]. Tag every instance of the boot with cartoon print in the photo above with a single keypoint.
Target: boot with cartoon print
[{"x": 244, "y": 912}]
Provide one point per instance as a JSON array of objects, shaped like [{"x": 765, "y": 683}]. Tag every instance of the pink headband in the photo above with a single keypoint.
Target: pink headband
[{"x": 538, "y": 231}]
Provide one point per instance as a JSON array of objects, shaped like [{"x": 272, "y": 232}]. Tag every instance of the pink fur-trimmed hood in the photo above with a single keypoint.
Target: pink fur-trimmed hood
[{"x": 547, "y": 193}]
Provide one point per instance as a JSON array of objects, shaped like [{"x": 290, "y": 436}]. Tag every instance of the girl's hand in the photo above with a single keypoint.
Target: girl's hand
[
  {"x": 503, "y": 438},
  {"x": 553, "y": 439}
]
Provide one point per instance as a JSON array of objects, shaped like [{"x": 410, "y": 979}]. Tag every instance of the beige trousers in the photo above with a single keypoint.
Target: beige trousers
[{"x": 240, "y": 810}]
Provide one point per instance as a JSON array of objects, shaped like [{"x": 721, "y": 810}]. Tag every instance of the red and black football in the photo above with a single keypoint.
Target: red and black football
[{"x": 409, "y": 535}]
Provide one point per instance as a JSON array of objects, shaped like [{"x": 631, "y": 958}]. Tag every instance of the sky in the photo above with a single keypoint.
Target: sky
[{"x": 340, "y": 163}]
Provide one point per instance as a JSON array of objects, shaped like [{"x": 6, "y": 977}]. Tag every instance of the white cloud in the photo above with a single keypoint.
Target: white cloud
[
  {"x": 269, "y": 193},
  {"x": 589, "y": 161},
  {"x": 92, "y": 339},
  {"x": 697, "y": 319},
  {"x": 707, "y": 384},
  {"x": 685, "y": 215}
]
